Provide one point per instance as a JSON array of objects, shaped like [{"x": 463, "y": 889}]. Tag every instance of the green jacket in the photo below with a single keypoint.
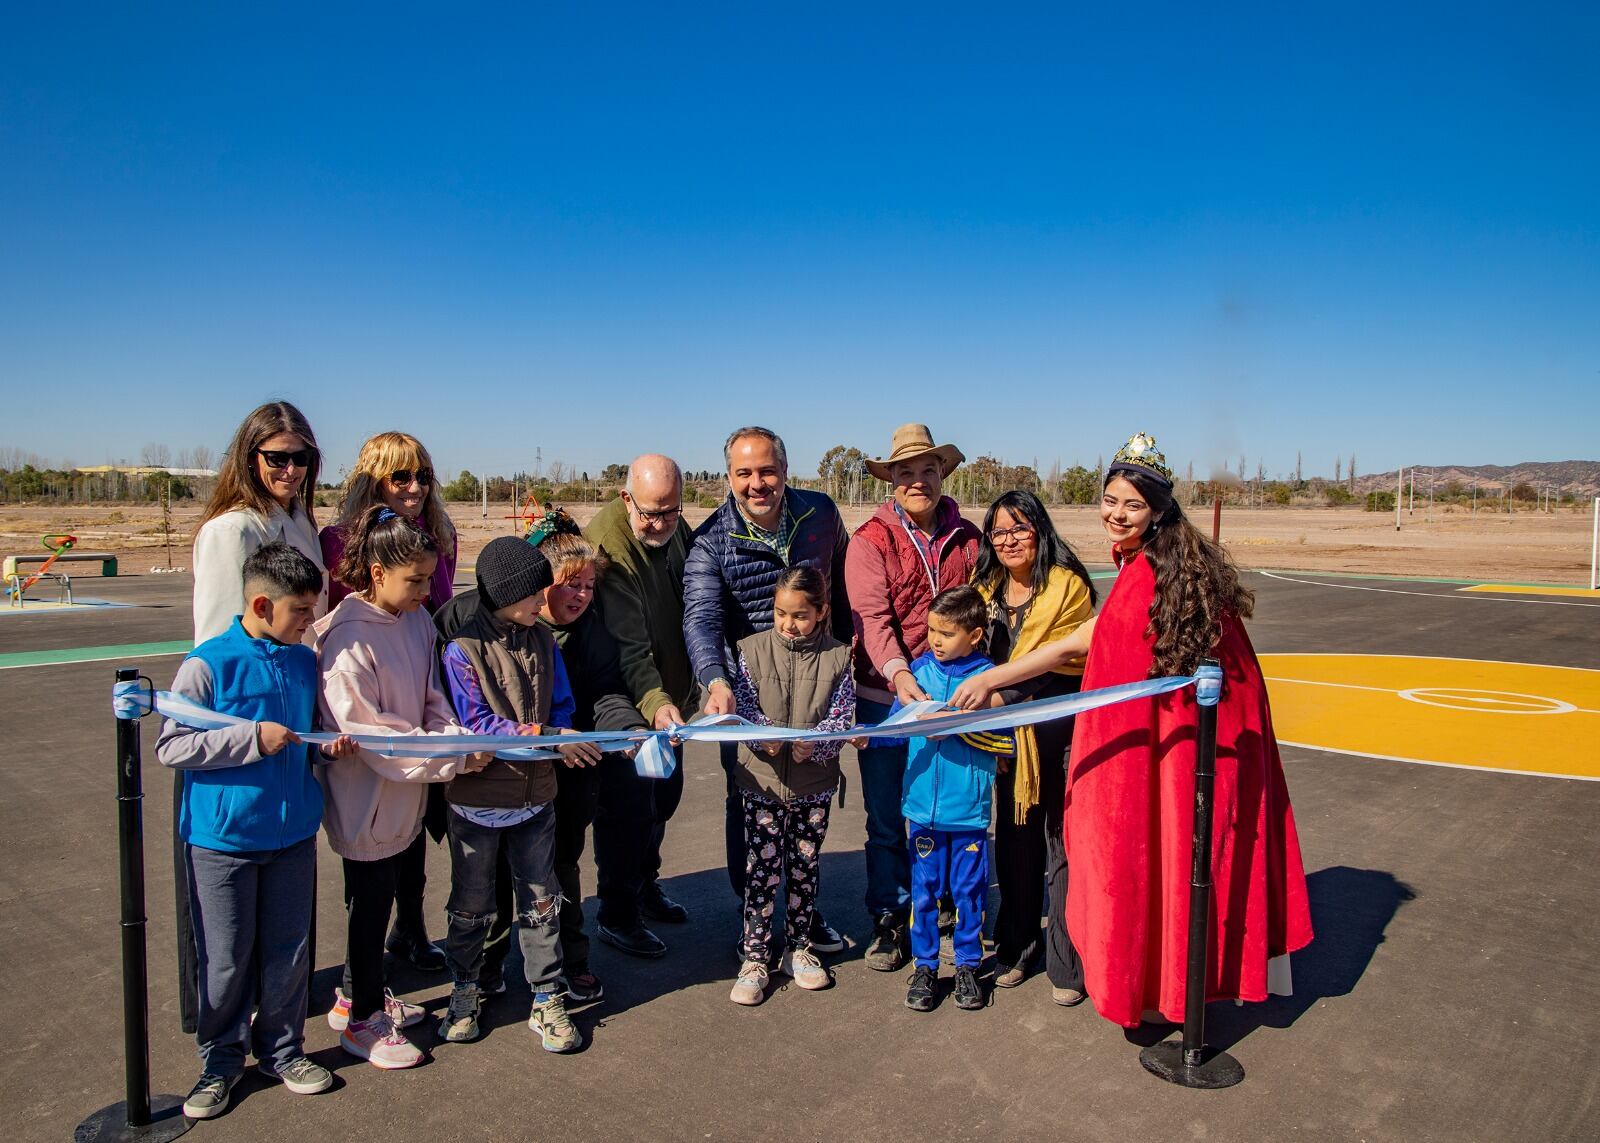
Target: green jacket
[{"x": 641, "y": 595}]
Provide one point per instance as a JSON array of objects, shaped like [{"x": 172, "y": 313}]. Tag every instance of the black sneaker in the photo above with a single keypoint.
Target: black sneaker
[
  {"x": 922, "y": 994},
  {"x": 636, "y": 941},
  {"x": 584, "y": 987},
  {"x": 421, "y": 952},
  {"x": 969, "y": 993},
  {"x": 889, "y": 946},
  {"x": 209, "y": 1097},
  {"x": 824, "y": 937},
  {"x": 655, "y": 905}
]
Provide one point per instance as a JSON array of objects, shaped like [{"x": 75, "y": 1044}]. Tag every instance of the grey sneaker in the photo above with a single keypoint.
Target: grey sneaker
[
  {"x": 460, "y": 1022},
  {"x": 300, "y": 1075},
  {"x": 209, "y": 1097},
  {"x": 556, "y": 1031}
]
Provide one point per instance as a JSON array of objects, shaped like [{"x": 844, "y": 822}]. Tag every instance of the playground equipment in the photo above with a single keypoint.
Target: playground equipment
[{"x": 58, "y": 544}]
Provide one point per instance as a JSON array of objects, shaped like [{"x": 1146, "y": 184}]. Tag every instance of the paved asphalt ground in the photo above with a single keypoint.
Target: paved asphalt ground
[{"x": 1450, "y": 994}]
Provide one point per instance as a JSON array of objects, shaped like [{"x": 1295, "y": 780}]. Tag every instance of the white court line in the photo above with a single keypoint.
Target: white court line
[
  {"x": 1446, "y": 765},
  {"x": 1393, "y": 691},
  {"x": 1425, "y": 594},
  {"x": 1401, "y": 655}
]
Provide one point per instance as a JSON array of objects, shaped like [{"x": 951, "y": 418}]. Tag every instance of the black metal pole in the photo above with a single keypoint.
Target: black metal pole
[
  {"x": 135, "y": 1117},
  {"x": 1191, "y": 1064}
]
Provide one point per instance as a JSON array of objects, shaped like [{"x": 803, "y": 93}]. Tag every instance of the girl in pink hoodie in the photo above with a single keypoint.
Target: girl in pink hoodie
[{"x": 379, "y": 676}]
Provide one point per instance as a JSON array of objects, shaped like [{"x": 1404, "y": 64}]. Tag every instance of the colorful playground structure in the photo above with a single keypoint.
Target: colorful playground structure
[{"x": 60, "y": 547}]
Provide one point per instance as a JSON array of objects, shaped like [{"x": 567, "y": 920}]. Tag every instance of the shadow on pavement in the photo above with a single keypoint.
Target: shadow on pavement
[{"x": 1350, "y": 910}]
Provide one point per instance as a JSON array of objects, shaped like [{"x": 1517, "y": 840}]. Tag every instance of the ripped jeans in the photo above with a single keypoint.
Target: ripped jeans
[{"x": 530, "y": 851}]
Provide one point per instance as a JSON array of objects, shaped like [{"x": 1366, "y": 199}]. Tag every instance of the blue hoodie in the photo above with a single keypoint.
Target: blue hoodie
[
  {"x": 950, "y": 781},
  {"x": 235, "y": 800}
]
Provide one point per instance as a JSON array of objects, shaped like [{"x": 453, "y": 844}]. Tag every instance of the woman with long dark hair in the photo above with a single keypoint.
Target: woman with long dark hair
[
  {"x": 264, "y": 493},
  {"x": 1038, "y": 592},
  {"x": 1130, "y": 787}
]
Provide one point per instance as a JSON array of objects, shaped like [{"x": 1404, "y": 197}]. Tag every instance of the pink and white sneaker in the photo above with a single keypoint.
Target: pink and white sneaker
[
  {"x": 404, "y": 1015},
  {"x": 377, "y": 1041}
]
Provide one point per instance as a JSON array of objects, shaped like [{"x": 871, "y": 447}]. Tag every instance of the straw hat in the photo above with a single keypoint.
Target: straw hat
[{"x": 910, "y": 442}]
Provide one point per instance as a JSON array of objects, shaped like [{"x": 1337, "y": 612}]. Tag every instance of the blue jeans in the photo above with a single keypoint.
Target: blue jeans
[
  {"x": 883, "y": 775},
  {"x": 474, "y": 855},
  {"x": 252, "y": 919},
  {"x": 953, "y": 864}
]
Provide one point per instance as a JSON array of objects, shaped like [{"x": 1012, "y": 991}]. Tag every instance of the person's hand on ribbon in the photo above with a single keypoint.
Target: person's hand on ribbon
[
  {"x": 578, "y": 754},
  {"x": 905, "y": 686},
  {"x": 801, "y": 751},
  {"x": 975, "y": 693},
  {"x": 472, "y": 763},
  {"x": 342, "y": 747},
  {"x": 719, "y": 698},
  {"x": 272, "y": 737}
]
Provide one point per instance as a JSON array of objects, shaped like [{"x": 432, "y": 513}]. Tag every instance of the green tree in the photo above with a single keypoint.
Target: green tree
[{"x": 463, "y": 487}]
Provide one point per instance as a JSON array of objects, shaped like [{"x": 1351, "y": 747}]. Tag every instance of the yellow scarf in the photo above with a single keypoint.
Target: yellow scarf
[{"x": 1058, "y": 609}]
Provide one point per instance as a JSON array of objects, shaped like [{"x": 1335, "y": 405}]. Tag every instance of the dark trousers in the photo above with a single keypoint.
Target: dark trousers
[
  {"x": 883, "y": 776},
  {"x": 252, "y": 921},
  {"x": 477, "y": 854},
  {"x": 369, "y": 889},
  {"x": 1031, "y": 867},
  {"x": 411, "y": 883},
  {"x": 629, "y": 815}
]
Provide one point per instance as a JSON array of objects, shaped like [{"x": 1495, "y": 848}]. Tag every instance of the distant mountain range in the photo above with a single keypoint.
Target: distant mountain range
[{"x": 1572, "y": 477}]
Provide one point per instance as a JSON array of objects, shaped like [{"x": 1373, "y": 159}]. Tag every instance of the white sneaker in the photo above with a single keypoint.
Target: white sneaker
[
  {"x": 376, "y": 1040},
  {"x": 404, "y": 1015},
  {"x": 751, "y": 987},
  {"x": 807, "y": 970}
]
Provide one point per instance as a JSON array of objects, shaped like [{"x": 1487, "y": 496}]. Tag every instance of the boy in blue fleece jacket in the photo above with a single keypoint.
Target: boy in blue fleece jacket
[
  {"x": 249, "y": 817},
  {"x": 947, "y": 798}
]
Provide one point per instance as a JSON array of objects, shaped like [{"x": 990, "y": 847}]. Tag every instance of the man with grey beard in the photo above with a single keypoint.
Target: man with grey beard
[{"x": 643, "y": 535}]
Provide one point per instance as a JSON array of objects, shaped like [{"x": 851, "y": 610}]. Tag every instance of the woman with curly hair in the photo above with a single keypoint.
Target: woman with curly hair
[{"x": 1130, "y": 783}]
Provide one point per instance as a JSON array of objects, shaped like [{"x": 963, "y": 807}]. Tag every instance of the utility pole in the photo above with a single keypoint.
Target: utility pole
[{"x": 1399, "y": 487}]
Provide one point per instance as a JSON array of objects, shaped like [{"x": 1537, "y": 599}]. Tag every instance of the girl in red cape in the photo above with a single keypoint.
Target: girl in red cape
[{"x": 1130, "y": 781}]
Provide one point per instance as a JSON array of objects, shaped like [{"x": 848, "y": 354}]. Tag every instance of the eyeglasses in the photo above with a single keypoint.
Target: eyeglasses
[
  {"x": 660, "y": 517},
  {"x": 1005, "y": 537},
  {"x": 404, "y": 476},
  {"x": 300, "y": 458}
]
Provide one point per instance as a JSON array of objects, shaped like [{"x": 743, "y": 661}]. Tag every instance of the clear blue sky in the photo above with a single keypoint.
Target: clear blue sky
[{"x": 606, "y": 228}]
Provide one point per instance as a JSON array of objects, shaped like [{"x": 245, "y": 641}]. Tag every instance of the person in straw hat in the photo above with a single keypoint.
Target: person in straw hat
[{"x": 914, "y": 546}]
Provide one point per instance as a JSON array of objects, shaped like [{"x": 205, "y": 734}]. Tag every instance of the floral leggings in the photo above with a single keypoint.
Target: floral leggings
[{"x": 781, "y": 838}]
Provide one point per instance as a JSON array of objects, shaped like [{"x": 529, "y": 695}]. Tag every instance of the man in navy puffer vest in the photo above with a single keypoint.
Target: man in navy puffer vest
[{"x": 734, "y": 562}]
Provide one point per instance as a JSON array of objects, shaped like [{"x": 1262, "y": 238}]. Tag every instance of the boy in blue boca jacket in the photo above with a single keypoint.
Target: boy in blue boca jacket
[
  {"x": 249, "y": 818},
  {"x": 947, "y": 798}
]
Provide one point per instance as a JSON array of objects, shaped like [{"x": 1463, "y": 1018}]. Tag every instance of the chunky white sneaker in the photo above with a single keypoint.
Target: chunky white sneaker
[
  {"x": 404, "y": 1015},
  {"x": 751, "y": 987},
  {"x": 807, "y": 970},
  {"x": 377, "y": 1041},
  {"x": 556, "y": 1031}
]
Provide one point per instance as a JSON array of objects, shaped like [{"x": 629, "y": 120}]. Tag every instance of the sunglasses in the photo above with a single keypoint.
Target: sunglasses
[
  {"x": 300, "y": 458},
  {"x": 1005, "y": 537},
  {"x": 404, "y": 476}
]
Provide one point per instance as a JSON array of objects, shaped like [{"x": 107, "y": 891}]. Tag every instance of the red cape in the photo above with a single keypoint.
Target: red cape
[{"x": 1130, "y": 821}]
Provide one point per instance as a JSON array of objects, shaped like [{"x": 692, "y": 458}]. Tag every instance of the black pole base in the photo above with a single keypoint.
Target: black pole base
[
  {"x": 110, "y": 1124},
  {"x": 1216, "y": 1069}
]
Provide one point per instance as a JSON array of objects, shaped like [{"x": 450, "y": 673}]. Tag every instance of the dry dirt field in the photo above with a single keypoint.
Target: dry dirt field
[{"x": 1528, "y": 547}]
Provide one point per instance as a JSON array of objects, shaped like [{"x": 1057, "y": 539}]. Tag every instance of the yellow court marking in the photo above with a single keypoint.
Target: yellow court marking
[
  {"x": 1515, "y": 717},
  {"x": 1524, "y": 589}
]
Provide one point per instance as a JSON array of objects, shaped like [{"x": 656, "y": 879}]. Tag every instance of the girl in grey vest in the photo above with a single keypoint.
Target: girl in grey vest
[{"x": 795, "y": 675}]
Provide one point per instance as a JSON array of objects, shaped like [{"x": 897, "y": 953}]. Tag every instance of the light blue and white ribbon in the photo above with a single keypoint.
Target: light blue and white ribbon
[{"x": 654, "y": 757}]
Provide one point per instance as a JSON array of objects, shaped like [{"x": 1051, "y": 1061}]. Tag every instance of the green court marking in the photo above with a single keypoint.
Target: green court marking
[{"x": 61, "y": 655}]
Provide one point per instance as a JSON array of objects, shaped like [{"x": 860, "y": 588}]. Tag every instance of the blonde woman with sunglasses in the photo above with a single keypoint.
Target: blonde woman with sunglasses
[
  {"x": 393, "y": 469},
  {"x": 264, "y": 493}
]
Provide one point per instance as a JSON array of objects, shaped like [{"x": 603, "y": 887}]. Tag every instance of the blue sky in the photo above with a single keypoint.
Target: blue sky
[{"x": 598, "y": 229}]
